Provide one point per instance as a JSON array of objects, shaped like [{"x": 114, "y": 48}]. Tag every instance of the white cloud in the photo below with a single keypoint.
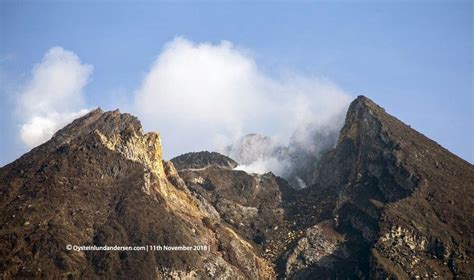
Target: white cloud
[
  {"x": 199, "y": 96},
  {"x": 40, "y": 128},
  {"x": 200, "y": 85},
  {"x": 204, "y": 96},
  {"x": 53, "y": 95}
]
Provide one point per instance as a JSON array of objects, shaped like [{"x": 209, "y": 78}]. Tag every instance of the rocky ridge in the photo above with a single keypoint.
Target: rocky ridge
[
  {"x": 385, "y": 202},
  {"x": 102, "y": 181},
  {"x": 398, "y": 198}
]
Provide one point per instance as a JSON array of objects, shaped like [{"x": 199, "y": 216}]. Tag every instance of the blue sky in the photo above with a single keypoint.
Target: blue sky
[{"x": 414, "y": 58}]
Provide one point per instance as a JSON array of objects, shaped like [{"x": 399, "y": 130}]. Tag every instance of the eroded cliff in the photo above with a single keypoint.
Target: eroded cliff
[
  {"x": 386, "y": 202},
  {"x": 102, "y": 181}
]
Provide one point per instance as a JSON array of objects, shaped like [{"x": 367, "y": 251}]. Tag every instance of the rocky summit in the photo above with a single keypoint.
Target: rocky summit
[{"x": 385, "y": 203}]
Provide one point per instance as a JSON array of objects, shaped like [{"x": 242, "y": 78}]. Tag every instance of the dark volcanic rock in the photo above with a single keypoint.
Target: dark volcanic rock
[
  {"x": 203, "y": 160},
  {"x": 101, "y": 181},
  {"x": 386, "y": 202},
  {"x": 254, "y": 205},
  {"x": 400, "y": 200}
]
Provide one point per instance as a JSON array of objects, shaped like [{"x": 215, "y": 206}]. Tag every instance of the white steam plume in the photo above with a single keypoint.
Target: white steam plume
[
  {"x": 53, "y": 95},
  {"x": 205, "y": 96}
]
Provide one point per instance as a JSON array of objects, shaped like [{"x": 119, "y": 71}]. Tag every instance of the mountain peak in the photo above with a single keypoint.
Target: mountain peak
[
  {"x": 110, "y": 122},
  {"x": 362, "y": 100},
  {"x": 363, "y": 114},
  {"x": 385, "y": 202},
  {"x": 101, "y": 181},
  {"x": 388, "y": 180},
  {"x": 97, "y": 110},
  {"x": 201, "y": 160},
  {"x": 119, "y": 132}
]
